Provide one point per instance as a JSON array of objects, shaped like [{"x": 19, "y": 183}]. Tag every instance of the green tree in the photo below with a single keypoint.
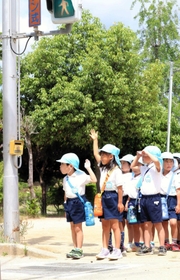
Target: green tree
[
  {"x": 159, "y": 23},
  {"x": 159, "y": 36},
  {"x": 92, "y": 77}
]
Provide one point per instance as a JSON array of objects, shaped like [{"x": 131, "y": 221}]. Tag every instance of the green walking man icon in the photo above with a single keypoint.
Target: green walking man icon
[
  {"x": 63, "y": 8},
  {"x": 64, "y": 5}
]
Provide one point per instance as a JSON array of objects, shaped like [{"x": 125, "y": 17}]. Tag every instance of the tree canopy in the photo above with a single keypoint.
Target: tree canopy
[
  {"x": 98, "y": 78},
  {"x": 92, "y": 77}
]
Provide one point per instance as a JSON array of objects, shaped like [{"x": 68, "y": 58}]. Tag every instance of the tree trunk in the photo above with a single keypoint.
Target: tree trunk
[
  {"x": 97, "y": 172},
  {"x": 43, "y": 186},
  {"x": 30, "y": 153}
]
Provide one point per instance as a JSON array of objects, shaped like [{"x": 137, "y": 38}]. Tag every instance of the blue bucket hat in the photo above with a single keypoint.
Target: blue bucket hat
[
  {"x": 111, "y": 149},
  {"x": 71, "y": 158},
  {"x": 129, "y": 158},
  {"x": 155, "y": 151}
]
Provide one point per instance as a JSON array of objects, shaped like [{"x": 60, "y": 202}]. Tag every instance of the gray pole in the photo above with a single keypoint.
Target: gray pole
[
  {"x": 10, "y": 182},
  {"x": 169, "y": 106}
]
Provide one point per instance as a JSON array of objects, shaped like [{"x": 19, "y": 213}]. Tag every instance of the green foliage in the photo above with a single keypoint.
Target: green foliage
[
  {"x": 159, "y": 23},
  {"x": 1, "y": 185},
  {"x": 90, "y": 192},
  {"x": 55, "y": 195},
  {"x": 102, "y": 79},
  {"x": 28, "y": 206},
  {"x": 33, "y": 207},
  {"x": 92, "y": 78}
]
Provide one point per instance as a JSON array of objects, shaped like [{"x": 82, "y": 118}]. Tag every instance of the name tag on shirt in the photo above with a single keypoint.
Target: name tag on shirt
[{"x": 109, "y": 186}]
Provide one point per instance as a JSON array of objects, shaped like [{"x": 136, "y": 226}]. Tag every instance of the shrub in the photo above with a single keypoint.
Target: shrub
[
  {"x": 91, "y": 190},
  {"x": 33, "y": 207}
]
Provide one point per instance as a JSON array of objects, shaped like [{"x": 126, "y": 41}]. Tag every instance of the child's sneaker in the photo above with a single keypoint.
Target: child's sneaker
[
  {"x": 152, "y": 245},
  {"x": 103, "y": 254},
  {"x": 175, "y": 247},
  {"x": 144, "y": 251},
  {"x": 123, "y": 250},
  {"x": 77, "y": 254},
  {"x": 116, "y": 254},
  {"x": 69, "y": 255},
  {"x": 134, "y": 247},
  {"x": 129, "y": 248},
  {"x": 110, "y": 248},
  {"x": 168, "y": 246},
  {"x": 162, "y": 251}
]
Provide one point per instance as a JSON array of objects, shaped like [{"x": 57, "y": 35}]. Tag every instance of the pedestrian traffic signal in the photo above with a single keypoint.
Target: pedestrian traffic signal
[{"x": 64, "y": 11}]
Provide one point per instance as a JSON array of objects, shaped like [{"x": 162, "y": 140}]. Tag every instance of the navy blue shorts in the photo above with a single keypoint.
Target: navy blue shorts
[
  {"x": 134, "y": 203},
  {"x": 125, "y": 198},
  {"x": 151, "y": 208},
  {"x": 110, "y": 206},
  {"x": 74, "y": 209}
]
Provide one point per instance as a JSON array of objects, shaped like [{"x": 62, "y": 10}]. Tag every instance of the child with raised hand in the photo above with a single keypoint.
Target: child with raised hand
[
  {"x": 151, "y": 207},
  {"x": 109, "y": 164},
  {"x": 74, "y": 182}
]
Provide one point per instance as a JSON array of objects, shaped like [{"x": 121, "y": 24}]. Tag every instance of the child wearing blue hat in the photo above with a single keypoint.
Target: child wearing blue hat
[
  {"x": 170, "y": 188},
  {"x": 111, "y": 177},
  {"x": 150, "y": 203},
  {"x": 74, "y": 182},
  {"x": 133, "y": 201}
]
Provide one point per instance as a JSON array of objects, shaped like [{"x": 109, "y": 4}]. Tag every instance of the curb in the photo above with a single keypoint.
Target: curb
[{"x": 25, "y": 250}]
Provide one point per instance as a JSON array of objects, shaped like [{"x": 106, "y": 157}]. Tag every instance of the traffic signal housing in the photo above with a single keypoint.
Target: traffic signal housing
[{"x": 64, "y": 11}]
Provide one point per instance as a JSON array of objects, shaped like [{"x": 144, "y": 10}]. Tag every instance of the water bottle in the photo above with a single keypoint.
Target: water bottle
[
  {"x": 131, "y": 215},
  {"x": 89, "y": 214},
  {"x": 139, "y": 201},
  {"x": 165, "y": 214}
]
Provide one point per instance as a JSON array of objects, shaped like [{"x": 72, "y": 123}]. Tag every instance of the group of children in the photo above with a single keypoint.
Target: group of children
[{"x": 137, "y": 182}]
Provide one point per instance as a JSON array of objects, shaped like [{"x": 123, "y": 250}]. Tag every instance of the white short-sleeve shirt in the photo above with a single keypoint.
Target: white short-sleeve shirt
[
  {"x": 168, "y": 179},
  {"x": 151, "y": 180},
  {"x": 114, "y": 180},
  {"x": 126, "y": 181},
  {"x": 176, "y": 180},
  {"x": 78, "y": 181},
  {"x": 132, "y": 188}
]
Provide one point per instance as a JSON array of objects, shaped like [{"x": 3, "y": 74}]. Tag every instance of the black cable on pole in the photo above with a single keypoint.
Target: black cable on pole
[{"x": 24, "y": 48}]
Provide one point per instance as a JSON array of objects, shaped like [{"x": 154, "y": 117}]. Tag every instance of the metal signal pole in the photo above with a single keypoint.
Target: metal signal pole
[
  {"x": 10, "y": 180},
  {"x": 169, "y": 106}
]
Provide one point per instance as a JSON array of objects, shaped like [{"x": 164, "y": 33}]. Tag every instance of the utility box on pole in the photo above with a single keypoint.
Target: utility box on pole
[{"x": 9, "y": 66}]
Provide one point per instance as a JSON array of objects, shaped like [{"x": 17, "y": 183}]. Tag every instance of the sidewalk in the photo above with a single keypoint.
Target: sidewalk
[{"x": 49, "y": 239}]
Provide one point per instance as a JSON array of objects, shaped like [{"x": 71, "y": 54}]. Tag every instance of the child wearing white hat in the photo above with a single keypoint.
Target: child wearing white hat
[
  {"x": 169, "y": 190},
  {"x": 177, "y": 171},
  {"x": 127, "y": 176}
]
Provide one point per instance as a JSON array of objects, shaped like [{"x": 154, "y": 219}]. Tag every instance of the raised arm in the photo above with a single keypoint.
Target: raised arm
[
  {"x": 136, "y": 158},
  {"x": 87, "y": 165},
  {"x": 153, "y": 159},
  {"x": 94, "y": 136}
]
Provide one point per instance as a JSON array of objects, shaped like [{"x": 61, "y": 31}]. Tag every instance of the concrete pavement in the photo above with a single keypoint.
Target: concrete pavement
[{"x": 43, "y": 256}]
